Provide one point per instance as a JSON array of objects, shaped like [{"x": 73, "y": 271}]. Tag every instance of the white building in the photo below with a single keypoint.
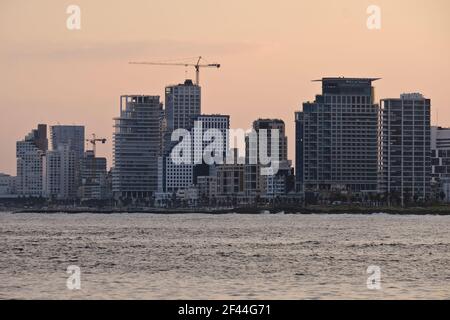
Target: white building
[
  {"x": 137, "y": 146},
  {"x": 182, "y": 105},
  {"x": 59, "y": 173},
  {"x": 203, "y": 123},
  {"x": 174, "y": 177},
  {"x": 30, "y": 152}
]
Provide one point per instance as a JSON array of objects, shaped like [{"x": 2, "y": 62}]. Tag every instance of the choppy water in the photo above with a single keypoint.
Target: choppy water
[{"x": 143, "y": 256}]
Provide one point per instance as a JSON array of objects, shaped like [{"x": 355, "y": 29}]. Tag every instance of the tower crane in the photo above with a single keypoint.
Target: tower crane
[
  {"x": 197, "y": 66},
  {"x": 93, "y": 179},
  {"x": 94, "y": 141}
]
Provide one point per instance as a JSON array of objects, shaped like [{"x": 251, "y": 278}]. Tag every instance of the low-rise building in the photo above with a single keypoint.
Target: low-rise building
[
  {"x": 7, "y": 186},
  {"x": 173, "y": 177},
  {"x": 282, "y": 182},
  {"x": 231, "y": 180},
  {"x": 207, "y": 189}
]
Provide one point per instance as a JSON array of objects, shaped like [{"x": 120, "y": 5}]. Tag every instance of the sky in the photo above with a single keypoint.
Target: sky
[{"x": 269, "y": 52}]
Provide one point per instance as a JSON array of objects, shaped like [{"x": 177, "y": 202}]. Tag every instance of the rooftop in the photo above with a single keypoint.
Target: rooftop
[{"x": 346, "y": 79}]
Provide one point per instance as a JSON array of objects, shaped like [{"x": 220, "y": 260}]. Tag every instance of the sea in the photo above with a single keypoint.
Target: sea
[{"x": 229, "y": 256}]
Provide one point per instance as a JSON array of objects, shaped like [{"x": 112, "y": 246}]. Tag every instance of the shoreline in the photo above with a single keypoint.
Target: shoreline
[{"x": 325, "y": 210}]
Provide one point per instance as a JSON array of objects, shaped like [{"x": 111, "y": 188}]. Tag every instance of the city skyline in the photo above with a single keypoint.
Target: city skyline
[
  {"x": 346, "y": 145},
  {"x": 105, "y": 151},
  {"x": 47, "y": 68},
  {"x": 231, "y": 158}
]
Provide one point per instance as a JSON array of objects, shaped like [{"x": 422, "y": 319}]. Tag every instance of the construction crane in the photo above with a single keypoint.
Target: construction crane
[
  {"x": 197, "y": 66},
  {"x": 92, "y": 179},
  {"x": 94, "y": 141}
]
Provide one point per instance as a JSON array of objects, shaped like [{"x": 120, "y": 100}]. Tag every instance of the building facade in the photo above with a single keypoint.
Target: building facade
[
  {"x": 405, "y": 147},
  {"x": 281, "y": 183},
  {"x": 219, "y": 123},
  {"x": 207, "y": 189},
  {"x": 173, "y": 177},
  {"x": 93, "y": 177},
  {"x": 337, "y": 139},
  {"x": 137, "y": 146},
  {"x": 182, "y": 105},
  {"x": 69, "y": 135},
  {"x": 29, "y": 153},
  {"x": 255, "y": 183},
  {"x": 231, "y": 180},
  {"x": 7, "y": 186},
  {"x": 59, "y": 174},
  {"x": 440, "y": 163}
]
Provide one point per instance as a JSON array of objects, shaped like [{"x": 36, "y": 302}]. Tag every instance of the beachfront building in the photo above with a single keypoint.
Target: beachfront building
[
  {"x": 405, "y": 146},
  {"x": 337, "y": 139},
  {"x": 137, "y": 146},
  {"x": 29, "y": 153},
  {"x": 255, "y": 182},
  {"x": 440, "y": 163}
]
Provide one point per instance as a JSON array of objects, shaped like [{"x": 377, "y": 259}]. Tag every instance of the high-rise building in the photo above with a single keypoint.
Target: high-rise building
[
  {"x": 440, "y": 163},
  {"x": 68, "y": 139},
  {"x": 182, "y": 105},
  {"x": 40, "y": 137},
  {"x": 205, "y": 122},
  {"x": 70, "y": 135},
  {"x": 405, "y": 148},
  {"x": 173, "y": 177},
  {"x": 255, "y": 183},
  {"x": 59, "y": 173},
  {"x": 93, "y": 177},
  {"x": 137, "y": 145},
  {"x": 29, "y": 153},
  {"x": 337, "y": 138},
  {"x": 299, "y": 180}
]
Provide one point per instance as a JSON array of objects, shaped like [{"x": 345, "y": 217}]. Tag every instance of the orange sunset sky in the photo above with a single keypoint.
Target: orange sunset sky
[{"x": 269, "y": 51}]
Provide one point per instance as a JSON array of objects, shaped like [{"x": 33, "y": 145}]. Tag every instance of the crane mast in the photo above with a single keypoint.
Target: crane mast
[{"x": 92, "y": 179}]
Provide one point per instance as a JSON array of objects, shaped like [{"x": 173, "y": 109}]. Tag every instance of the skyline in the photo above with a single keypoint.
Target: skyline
[{"x": 53, "y": 75}]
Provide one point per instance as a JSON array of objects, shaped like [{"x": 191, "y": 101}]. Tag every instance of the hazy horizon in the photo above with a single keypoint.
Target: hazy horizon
[{"x": 269, "y": 55}]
